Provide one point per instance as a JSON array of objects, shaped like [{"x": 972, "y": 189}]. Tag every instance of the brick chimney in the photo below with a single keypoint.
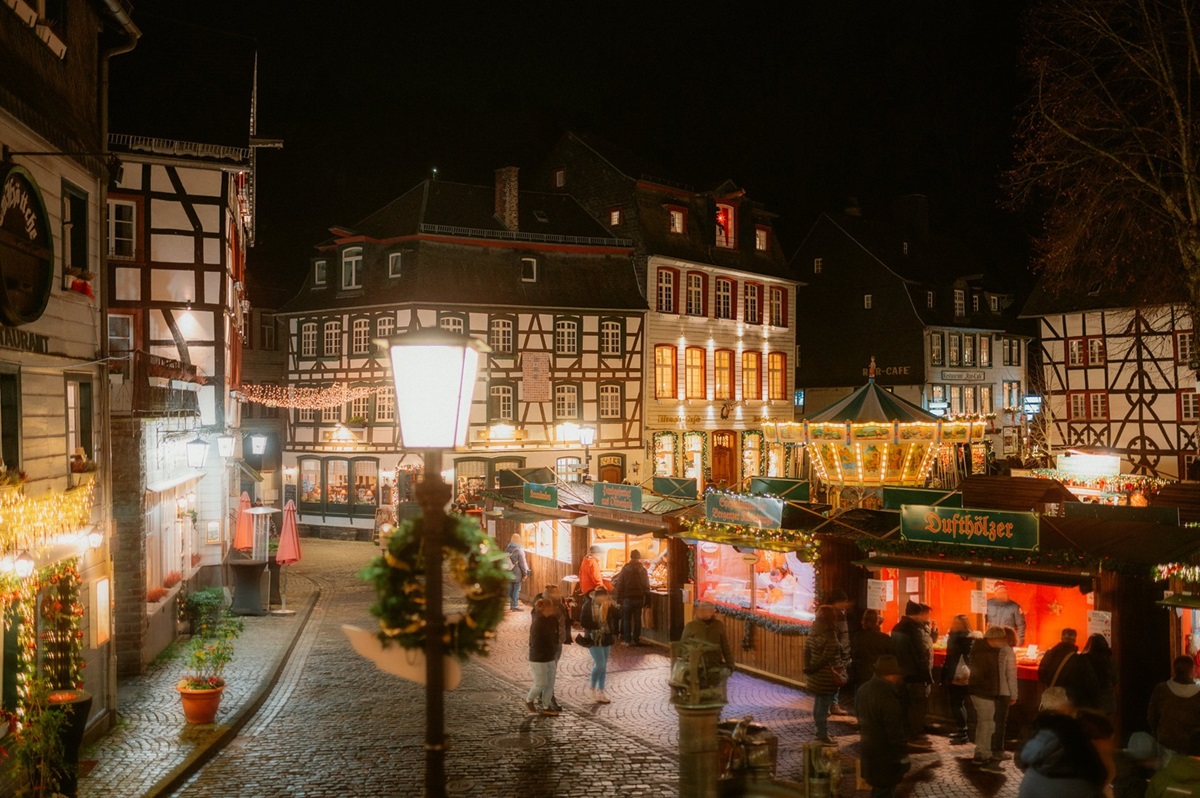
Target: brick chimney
[{"x": 506, "y": 197}]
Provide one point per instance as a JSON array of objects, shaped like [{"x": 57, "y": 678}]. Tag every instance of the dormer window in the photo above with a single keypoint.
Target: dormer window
[
  {"x": 994, "y": 303},
  {"x": 395, "y": 264},
  {"x": 975, "y": 302},
  {"x": 725, "y": 226},
  {"x": 614, "y": 217},
  {"x": 352, "y": 262},
  {"x": 676, "y": 220},
  {"x": 761, "y": 238},
  {"x": 320, "y": 269},
  {"x": 818, "y": 264},
  {"x": 560, "y": 177},
  {"x": 529, "y": 270},
  {"x": 929, "y": 299},
  {"x": 960, "y": 302}
]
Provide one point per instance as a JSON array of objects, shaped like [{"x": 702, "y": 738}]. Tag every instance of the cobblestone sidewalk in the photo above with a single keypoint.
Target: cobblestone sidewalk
[{"x": 150, "y": 745}]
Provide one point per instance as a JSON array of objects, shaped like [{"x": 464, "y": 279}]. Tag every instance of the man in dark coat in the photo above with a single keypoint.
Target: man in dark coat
[
  {"x": 880, "y": 711},
  {"x": 913, "y": 641},
  {"x": 841, "y": 605},
  {"x": 1174, "y": 707},
  {"x": 867, "y": 645},
  {"x": 1064, "y": 667},
  {"x": 632, "y": 588}
]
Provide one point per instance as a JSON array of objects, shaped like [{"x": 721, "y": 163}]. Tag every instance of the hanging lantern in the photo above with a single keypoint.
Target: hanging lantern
[
  {"x": 24, "y": 565},
  {"x": 197, "y": 452},
  {"x": 225, "y": 445},
  {"x": 258, "y": 443}
]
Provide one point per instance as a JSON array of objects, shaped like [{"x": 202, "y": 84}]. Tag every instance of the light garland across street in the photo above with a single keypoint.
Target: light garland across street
[{"x": 306, "y": 398}]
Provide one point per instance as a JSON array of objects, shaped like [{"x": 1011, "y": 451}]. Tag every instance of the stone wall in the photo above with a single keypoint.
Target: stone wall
[{"x": 130, "y": 622}]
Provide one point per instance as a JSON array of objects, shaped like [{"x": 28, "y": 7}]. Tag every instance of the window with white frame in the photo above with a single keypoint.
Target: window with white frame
[
  {"x": 385, "y": 404},
  {"x": 1078, "y": 408},
  {"x": 935, "y": 349},
  {"x": 818, "y": 265},
  {"x": 614, "y": 217},
  {"x": 308, "y": 339},
  {"x": 666, "y": 291},
  {"x": 975, "y": 302},
  {"x": 610, "y": 403},
  {"x": 994, "y": 303},
  {"x": 566, "y": 337},
  {"x": 1184, "y": 343},
  {"x": 985, "y": 350},
  {"x": 954, "y": 347},
  {"x": 761, "y": 239},
  {"x": 695, "y": 294},
  {"x": 361, "y": 336},
  {"x": 320, "y": 273},
  {"x": 929, "y": 299},
  {"x": 1098, "y": 404},
  {"x": 359, "y": 407},
  {"x": 969, "y": 399},
  {"x": 502, "y": 405},
  {"x": 385, "y": 327},
  {"x": 866, "y": 301},
  {"x": 352, "y": 264},
  {"x": 122, "y": 229},
  {"x": 529, "y": 270},
  {"x": 1075, "y": 352},
  {"x": 753, "y": 303},
  {"x": 968, "y": 350},
  {"x": 452, "y": 324},
  {"x": 331, "y": 414},
  {"x": 1189, "y": 406},
  {"x": 500, "y": 336},
  {"x": 1012, "y": 393},
  {"x": 560, "y": 178},
  {"x": 395, "y": 264},
  {"x": 567, "y": 469},
  {"x": 777, "y": 306},
  {"x": 724, "y": 299},
  {"x": 333, "y": 339},
  {"x": 956, "y": 399},
  {"x": 610, "y": 338},
  {"x": 1095, "y": 351},
  {"x": 960, "y": 302},
  {"x": 566, "y": 402},
  {"x": 675, "y": 220},
  {"x": 306, "y": 415}
]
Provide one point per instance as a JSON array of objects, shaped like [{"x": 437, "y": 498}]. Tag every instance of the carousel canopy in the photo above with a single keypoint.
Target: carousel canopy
[{"x": 872, "y": 404}]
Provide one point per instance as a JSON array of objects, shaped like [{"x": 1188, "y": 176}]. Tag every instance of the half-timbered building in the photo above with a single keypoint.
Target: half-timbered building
[
  {"x": 55, "y": 499},
  {"x": 554, "y": 294},
  {"x": 721, "y": 312},
  {"x": 1120, "y": 379},
  {"x": 179, "y": 222}
]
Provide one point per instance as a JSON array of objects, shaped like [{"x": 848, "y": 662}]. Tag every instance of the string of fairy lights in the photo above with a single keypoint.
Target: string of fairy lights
[
  {"x": 33, "y": 523},
  {"x": 315, "y": 398}
]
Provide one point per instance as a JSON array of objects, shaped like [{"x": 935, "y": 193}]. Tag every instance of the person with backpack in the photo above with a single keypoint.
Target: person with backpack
[
  {"x": 631, "y": 588},
  {"x": 519, "y": 568},
  {"x": 993, "y": 680}
]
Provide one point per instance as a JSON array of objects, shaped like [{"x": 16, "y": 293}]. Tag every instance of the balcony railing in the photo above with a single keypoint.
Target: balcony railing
[{"x": 150, "y": 385}]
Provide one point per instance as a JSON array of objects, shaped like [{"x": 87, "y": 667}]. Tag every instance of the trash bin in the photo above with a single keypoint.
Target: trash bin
[{"x": 746, "y": 749}]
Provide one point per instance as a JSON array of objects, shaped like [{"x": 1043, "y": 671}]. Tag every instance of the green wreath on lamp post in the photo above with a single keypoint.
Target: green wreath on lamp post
[{"x": 475, "y": 564}]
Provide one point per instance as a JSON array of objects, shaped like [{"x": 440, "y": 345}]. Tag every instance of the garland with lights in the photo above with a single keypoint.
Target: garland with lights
[
  {"x": 288, "y": 396},
  {"x": 61, "y": 637},
  {"x": 803, "y": 543},
  {"x": 674, "y": 453},
  {"x": 474, "y": 563},
  {"x": 770, "y": 623},
  {"x": 32, "y": 523},
  {"x": 1185, "y": 573}
]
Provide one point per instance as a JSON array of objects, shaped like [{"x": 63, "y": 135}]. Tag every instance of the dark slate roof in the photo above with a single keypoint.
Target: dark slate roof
[
  {"x": 1048, "y": 299},
  {"x": 870, "y": 403},
  {"x": 1019, "y": 494},
  {"x": 184, "y": 82},
  {"x": 1131, "y": 542},
  {"x": 1185, "y": 496}
]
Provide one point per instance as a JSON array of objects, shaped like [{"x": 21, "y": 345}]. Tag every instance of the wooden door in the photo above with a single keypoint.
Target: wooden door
[
  {"x": 724, "y": 459},
  {"x": 611, "y": 472}
]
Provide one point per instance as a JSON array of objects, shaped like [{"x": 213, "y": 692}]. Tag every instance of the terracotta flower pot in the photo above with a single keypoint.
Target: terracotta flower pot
[{"x": 200, "y": 706}]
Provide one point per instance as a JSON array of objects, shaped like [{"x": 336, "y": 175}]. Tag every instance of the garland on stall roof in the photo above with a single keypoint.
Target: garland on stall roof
[
  {"x": 1185, "y": 573},
  {"x": 804, "y": 543},
  {"x": 1111, "y": 483},
  {"x": 289, "y": 396},
  {"x": 771, "y": 624},
  {"x": 1043, "y": 559}
]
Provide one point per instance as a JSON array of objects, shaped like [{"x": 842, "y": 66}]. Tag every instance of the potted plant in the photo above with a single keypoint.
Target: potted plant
[
  {"x": 38, "y": 749},
  {"x": 356, "y": 421},
  {"x": 202, "y": 609},
  {"x": 201, "y": 687}
]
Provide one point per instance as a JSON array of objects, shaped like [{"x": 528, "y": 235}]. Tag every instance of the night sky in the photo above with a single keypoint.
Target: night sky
[{"x": 803, "y": 107}]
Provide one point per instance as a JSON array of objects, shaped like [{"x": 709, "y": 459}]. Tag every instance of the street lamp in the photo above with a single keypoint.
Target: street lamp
[
  {"x": 258, "y": 443},
  {"x": 197, "y": 452},
  {"x": 587, "y": 436},
  {"x": 225, "y": 445},
  {"x": 23, "y": 565},
  {"x": 434, "y": 375}
]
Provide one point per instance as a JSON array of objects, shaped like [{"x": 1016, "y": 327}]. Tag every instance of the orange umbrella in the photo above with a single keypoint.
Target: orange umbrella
[
  {"x": 289, "y": 537},
  {"x": 243, "y": 540}
]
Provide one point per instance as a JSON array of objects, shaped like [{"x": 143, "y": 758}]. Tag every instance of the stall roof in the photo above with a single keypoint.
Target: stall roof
[
  {"x": 796, "y": 515},
  {"x": 616, "y": 525},
  {"x": 1013, "y": 493},
  {"x": 522, "y": 516},
  {"x": 1132, "y": 542},
  {"x": 516, "y": 477},
  {"x": 1183, "y": 495},
  {"x": 1186, "y": 600},
  {"x": 870, "y": 403},
  {"x": 876, "y": 523}
]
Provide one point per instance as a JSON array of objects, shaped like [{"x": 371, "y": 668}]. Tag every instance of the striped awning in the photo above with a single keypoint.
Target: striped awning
[{"x": 872, "y": 404}]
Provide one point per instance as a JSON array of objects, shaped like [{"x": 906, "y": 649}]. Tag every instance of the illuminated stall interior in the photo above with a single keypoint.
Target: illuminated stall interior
[{"x": 774, "y": 583}]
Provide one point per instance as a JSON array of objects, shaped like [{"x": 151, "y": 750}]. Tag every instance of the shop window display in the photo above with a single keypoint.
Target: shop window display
[
  {"x": 616, "y": 548},
  {"x": 549, "y": 539},
  {"x": 338, "y": 474},
  {"x": 767, "y": 582},
  {"x": 664, "y": 454},
  {"x": 310, "y": 481}
]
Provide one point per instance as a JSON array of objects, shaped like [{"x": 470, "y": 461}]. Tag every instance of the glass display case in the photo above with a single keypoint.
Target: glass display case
[
  {"x": 617, "y": 546},
  {"x": 767, "y": 582}
]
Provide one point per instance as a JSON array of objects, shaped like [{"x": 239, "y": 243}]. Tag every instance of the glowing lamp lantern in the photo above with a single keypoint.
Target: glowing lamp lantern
[
  {"x": 587, "y": 435},
  {"x": 95, "y": 538},
  {"x": 225, "y": 445},
  {"x": 197, "y": 452},
  {"x": 434, "y": 372},
  {"x": 258, "y": 443},
  {"x": 23, "y": 565}
]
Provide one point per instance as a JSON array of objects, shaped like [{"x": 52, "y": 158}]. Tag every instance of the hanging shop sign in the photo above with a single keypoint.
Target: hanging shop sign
[
  {"x": 726, "y": 508},
  {"x": 963, "y": 376},
  {"x": 616, "y": 496},
  {"x": 993, "y": 529},
  {"x": 540, "y": 495},
  {"x": 26, "y": 249},
  {"x": 796, "y": 490}
]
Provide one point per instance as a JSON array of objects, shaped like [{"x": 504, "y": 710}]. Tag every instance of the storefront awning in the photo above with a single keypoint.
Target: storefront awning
[
  {"x": 1187, "y": 600},
  {"x": 520, "y": 516},
  {"x": 613, "y": 525},
  {"x": 981, "y": 570},
  {"x": 174, "y": 482}
]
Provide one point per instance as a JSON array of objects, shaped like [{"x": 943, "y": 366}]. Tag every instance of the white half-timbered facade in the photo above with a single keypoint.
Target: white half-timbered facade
[
  {"x": 1120, "y": 380},
  {"x": 559, "y": 306}
]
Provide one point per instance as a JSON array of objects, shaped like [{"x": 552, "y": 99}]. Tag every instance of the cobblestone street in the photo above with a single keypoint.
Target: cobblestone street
[{"x": 334, "y": 725}]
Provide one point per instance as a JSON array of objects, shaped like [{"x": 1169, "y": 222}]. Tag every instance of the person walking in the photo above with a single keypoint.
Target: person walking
[
  {"x": 601, "y": 621},
  {"x": 867, "y": 645},
  {"x": 1060, "y": 760},
  {"x": 884, "y": 745},
  {"x": 993, "y": 680},
  {"x": 956, "y": 672},
  {"x": 841, "y": 606},
  {"x": 823, "y": 668},
  {"x": 519, "y": 571},
  {"x": 590, "y": 577},
  {"x": 707, "y": 628},
  {"x": 913, "y": 642},
  {"x": 545, "y": 647},
  {"x": 1098, "y": 656},
  {"x": 1174, "y": 709},
  {"x": 562, "y": 610},
  {"x": 632, "y": 588}
]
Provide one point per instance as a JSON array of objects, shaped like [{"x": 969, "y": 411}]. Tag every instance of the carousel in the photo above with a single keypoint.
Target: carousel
[{"x": 873, "y": 439}]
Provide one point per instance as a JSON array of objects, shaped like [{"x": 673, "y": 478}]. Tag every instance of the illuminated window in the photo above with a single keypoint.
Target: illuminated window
[
  {"x": 994, "y": 303},
  {"x": 501, "y": 408},
  {"x": 985, "y": 350},
  {"x": 500, "y": 336},
  {"x": 968, "y": 350},
  {"x": 956, "y": 405},
  {"x": 761, "y": 239},
  {"x": 665, "y": 382},
  {"x": 1075, "y": 350},
  {"x": 723, "y": 374},
  {"x": 610, "y": 338},
  {"x": 695, "y": 294},
  {"x": 777, "y": 306},
  {"x": 385, "y": 404},
  {"x": 1078, "y": 407},
  {"x": 333, "y": 339},
  {"x": 529, "y": 270},
  {"x": 566, "y": 402},
  {"x": 969, "y": 399},
  {"x": 395, "y": 264},
  {"x": 753, "y": 304},
  {"x": 308, "y": 339},
  {"x": 568, "y": 469},
  {"x": 955, "y": 346},
  {"x": 122, "y": 228},
  {"x": 675, "y": 220},
  {"x": 960, "y": 302},
  {"x": 776, "y": 375},
  {"x": 935, "y": 349},
  {"x": 352, "y": 264},
  {"x": 985, "y": 400},
  {"x": 752, "y": 375},
  {"x": 1183, "y": 346},
  {"x": 724, "y": 298},
  {"x": 1095, "y": 351},
  {"x": 611, "y": 402},
  {"x": 614, "y": 217},
  {"x": 454, "y": 324},
  {"x": 560, "y": 178},
  {"x": 866, "y": 301},
  {"x": 818, "y": 265},
  {"x": 666, "y": 291},
  {"x": 726, "y": 224},
  {"x": 695, "y": 385}
]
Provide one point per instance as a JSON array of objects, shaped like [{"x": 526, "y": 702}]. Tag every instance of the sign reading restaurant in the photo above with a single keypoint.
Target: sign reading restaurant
[
  {"x": 724, "y": 508},
  {"x": 540, "y": 495},
  {"x": 963, "y": 376},
  {"x": 994, "y": 529},
  {"x": 26, "y": 249},
  {"x": 615, "y": 496}
]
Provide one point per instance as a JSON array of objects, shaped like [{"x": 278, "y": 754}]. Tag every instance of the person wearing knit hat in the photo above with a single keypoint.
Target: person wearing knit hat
[
  {"x": 1003, "y": 611},
  {"x": 883, "y": 746}
]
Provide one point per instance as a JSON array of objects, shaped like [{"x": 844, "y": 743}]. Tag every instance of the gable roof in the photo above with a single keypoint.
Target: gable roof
[
  {"x": 1048, "y": 299},
  {"x": 870, "y": 403},
  {"x": 1019, "y": 494}
]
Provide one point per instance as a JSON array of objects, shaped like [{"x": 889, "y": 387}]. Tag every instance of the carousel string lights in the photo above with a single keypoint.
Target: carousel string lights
[{"x": 293, "y": 398}]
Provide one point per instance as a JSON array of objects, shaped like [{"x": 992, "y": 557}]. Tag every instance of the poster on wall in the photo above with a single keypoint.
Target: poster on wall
[
  {"x": 979, "y": 602},
  {"x": 877, "y": 594},
  {"x": 1100, "y": 623}
]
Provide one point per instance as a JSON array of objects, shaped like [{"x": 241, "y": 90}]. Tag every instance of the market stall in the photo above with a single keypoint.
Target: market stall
[{"x": 1092, "y": 575}]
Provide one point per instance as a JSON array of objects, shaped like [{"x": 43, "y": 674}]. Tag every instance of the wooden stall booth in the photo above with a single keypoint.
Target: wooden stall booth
[
  {"x": 623, "y": 518},
  {"x": 1091, "y": 575}
]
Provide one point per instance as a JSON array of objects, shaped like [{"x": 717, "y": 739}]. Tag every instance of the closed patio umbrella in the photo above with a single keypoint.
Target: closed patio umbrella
[
  {"x": 288, "y": 552},
  {"x": 243, "y": 539}
]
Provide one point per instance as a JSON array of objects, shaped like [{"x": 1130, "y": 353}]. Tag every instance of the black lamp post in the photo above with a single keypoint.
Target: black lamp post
[
  {"x": 587, "y": 436},
  {"x": 434, "y": 374}
]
